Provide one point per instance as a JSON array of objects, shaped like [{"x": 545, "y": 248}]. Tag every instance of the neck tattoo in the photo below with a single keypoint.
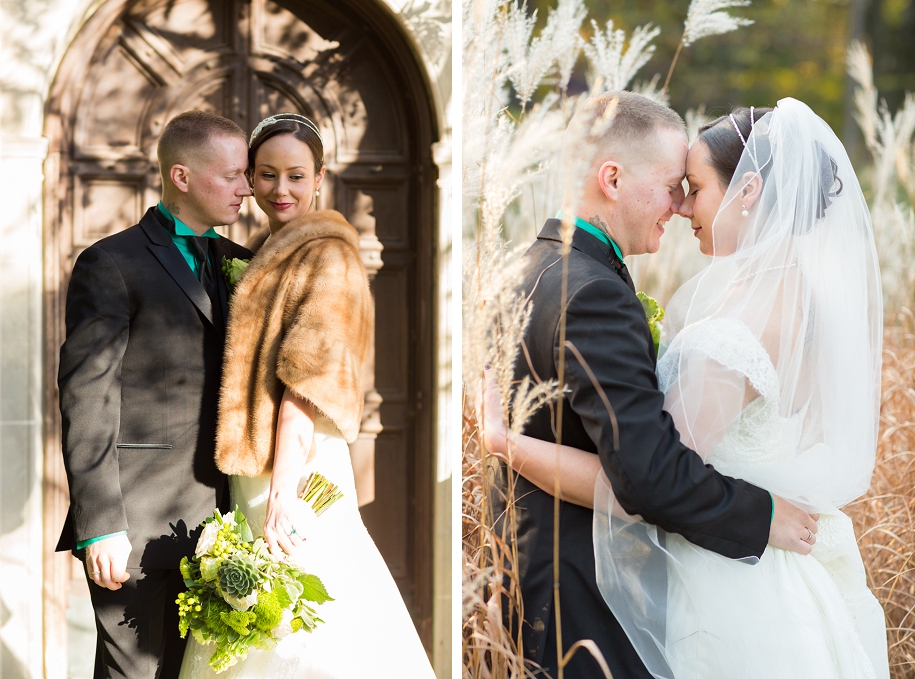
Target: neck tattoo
[
  {"x": 173, "y": 208},
  {"x": 600, "y": 224}
]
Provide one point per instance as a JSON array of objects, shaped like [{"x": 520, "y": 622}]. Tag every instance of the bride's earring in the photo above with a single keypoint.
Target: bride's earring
[{"x": 745, "y": 212}]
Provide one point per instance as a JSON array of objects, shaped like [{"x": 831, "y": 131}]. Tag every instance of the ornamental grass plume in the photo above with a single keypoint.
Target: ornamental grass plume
[
  {"x": 609, "y": 63},
  {"x": 553, "y": 51},
  {"x": 706, "y": 18},
  {"x": 890, "y": 139},
  {"x": 703, "y": 19},
  {"x": 531, "y": 57}
]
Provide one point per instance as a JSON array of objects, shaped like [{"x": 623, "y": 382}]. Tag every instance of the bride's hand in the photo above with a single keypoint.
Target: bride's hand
[
  {"x": 494, "y": 420},
  {"x": 287, "y": 524}
]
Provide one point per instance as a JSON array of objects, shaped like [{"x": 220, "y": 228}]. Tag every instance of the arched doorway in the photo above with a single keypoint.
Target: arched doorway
[{"x": 344, "y": 63}]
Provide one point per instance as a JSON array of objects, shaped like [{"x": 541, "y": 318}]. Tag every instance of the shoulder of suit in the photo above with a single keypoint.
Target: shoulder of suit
[
  {"x": 127, "y": 240},
  {"x": 583, "y": 269}
]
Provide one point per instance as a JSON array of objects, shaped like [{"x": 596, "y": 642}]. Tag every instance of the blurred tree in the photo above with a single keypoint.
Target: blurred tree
[
  {"x": 795, "y": 48},
  {"x": 889, "y": 27}
]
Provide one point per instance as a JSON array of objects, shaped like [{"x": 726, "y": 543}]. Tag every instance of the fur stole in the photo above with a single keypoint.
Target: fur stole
[{"x": 301, "y": 319}]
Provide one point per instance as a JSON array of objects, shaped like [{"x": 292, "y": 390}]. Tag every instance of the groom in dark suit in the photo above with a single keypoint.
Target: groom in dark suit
[
  {"x": 139, "y": 384},
  {"x": 629, "y": 190}
]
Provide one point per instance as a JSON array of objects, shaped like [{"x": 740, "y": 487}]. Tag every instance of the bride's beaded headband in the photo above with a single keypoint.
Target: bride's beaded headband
[
  {"x": 744, "y": 141},
  {"x": 279, "y": 117}
]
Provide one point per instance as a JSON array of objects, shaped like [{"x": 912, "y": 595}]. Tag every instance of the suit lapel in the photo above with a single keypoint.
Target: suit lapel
[
  {"x": 586, "y": 243},
  {"x": 171, "y": 260}
]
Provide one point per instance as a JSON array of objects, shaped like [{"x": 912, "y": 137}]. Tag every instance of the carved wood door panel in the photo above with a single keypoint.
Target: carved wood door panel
[{"x": 138, "y": 65}]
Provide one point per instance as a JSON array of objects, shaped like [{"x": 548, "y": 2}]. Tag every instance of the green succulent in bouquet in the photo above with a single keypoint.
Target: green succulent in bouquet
[{"x": 238, "y": 579}]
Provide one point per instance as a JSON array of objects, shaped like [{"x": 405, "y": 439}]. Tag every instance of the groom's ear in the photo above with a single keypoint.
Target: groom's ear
[
  {"x": 179, "y": 176},
  {"x": 752, "y": 187},
  {"x": 608, "y": 176}
]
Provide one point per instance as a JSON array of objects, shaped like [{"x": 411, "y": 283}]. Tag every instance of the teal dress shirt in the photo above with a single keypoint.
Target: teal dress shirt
[{"x": 181, "y": 239}]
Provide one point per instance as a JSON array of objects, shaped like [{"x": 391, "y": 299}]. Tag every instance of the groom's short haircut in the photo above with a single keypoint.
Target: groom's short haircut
[
  {"x": 186, "y": 138},
  {"x": 629, "y": 127}
]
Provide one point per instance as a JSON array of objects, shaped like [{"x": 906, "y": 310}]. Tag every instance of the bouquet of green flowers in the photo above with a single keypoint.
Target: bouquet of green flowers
[{"x": 240, "y": 596}]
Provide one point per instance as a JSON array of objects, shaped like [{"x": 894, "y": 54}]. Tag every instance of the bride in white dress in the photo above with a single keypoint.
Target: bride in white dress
[
  {"x": 291, "y": 399},
  {"x": 772, "y": 375}
]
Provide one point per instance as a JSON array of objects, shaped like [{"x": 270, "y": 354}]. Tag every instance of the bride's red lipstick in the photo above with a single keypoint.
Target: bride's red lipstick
[{"x": 280, "y": 206}]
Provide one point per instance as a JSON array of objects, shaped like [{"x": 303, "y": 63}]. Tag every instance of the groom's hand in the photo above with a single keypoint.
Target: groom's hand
[
  {"x": 792, "y": 528},
  {"x": 106, "y": 561}
]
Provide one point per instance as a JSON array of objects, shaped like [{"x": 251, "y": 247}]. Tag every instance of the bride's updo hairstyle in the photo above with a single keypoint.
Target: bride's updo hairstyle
[
  {"x": 294, "y": 124},
  {"x": 725, "y": 147},
  {"x": 724, "y": 144}
]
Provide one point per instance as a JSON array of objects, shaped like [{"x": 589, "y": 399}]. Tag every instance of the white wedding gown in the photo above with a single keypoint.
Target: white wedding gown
[
  {"x": 694, "y": 614},
  {"x": 367, "y": 631},
  {"x": 788, "y": 616}
]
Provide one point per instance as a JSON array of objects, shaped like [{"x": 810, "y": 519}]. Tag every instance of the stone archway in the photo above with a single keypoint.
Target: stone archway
[{"x": 132, "y": 66}]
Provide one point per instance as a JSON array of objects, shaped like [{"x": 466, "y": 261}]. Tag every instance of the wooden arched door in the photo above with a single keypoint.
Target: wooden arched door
[{"x": 345, "y": 64}]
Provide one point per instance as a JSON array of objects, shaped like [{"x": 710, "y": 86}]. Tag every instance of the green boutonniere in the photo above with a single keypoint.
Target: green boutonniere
[
  {"x": 654, "y": 314},
  {"x": 233, "y": 269}
]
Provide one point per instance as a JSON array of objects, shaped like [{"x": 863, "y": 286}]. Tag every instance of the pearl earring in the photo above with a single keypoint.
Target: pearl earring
[
  {"x": 317, "y": 192},
  {"x": 745, "y": 213}
]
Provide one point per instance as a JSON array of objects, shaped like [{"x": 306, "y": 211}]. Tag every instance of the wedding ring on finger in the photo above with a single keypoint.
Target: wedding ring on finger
[
  {"x": 94, "y": 573},
  {"x": 294, "y": 532},
  {"x": 809, "y": 536}
]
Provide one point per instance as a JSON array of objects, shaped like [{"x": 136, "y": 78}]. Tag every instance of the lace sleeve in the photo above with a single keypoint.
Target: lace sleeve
[
  {"x": 704, "y": 376},
  {"x": 727, "y": 342}
]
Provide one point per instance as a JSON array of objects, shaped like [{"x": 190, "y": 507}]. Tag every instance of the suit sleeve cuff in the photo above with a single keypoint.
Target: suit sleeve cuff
[{"x": 82, "y": 544}]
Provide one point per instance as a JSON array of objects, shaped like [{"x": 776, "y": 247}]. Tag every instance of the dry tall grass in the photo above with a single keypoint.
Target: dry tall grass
[
  {"x": 885, "y": 518},
  {"x": 490, "y": 651}
]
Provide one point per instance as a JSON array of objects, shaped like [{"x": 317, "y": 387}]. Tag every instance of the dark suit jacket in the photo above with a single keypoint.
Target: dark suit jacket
[
  {"x": 139, "y": 385},
  {"x": 652, "y": 473}
]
